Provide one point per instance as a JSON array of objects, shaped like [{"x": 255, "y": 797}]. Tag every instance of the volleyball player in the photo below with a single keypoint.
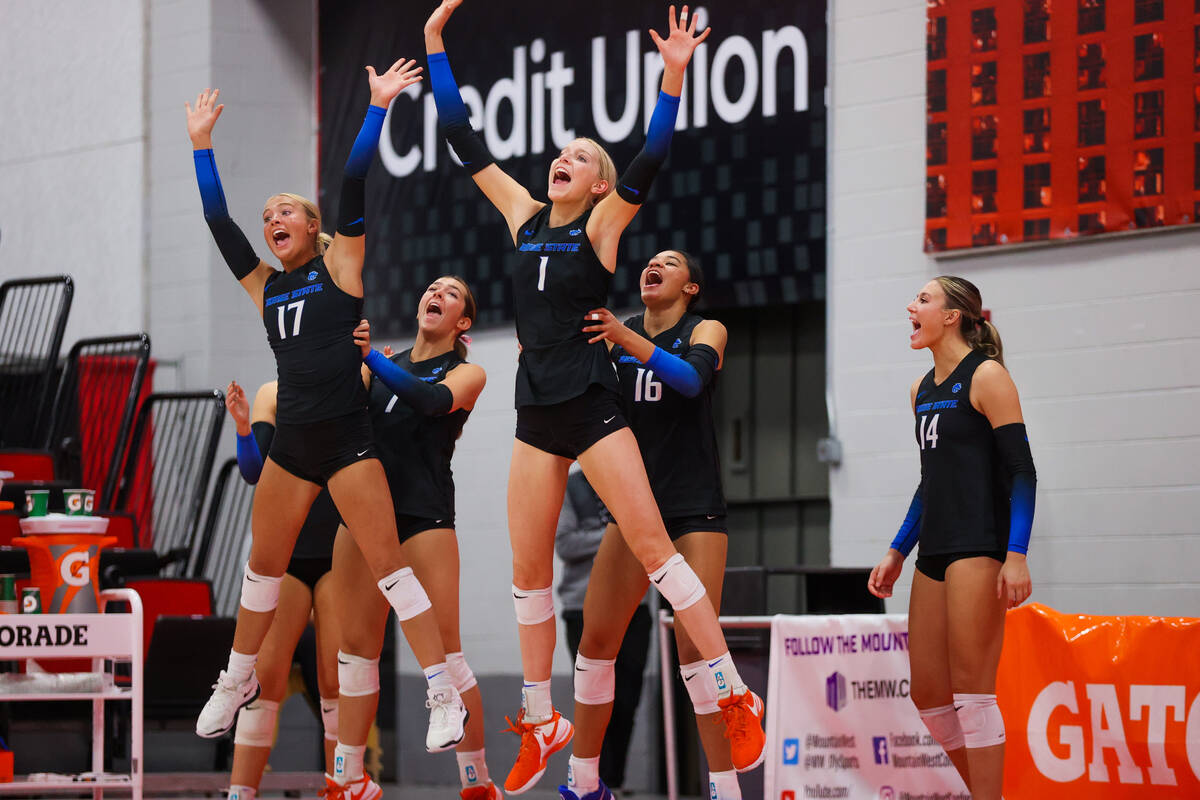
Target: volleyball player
[
  {"x": 669, "y": 408},
  {"x": 567, "y": 403},
  {"x": 306, "y": 589},
  {"x": 419, "y": 402},
  {"x": 322, "y": 432},
  {"x": 972, "y": 515}
]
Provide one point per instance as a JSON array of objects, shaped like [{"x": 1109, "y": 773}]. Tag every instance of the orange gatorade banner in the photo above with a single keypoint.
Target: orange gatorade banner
[{"x": 1100, "y": 707}]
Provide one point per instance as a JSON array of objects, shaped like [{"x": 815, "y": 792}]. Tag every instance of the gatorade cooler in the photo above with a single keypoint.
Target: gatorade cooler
[{"x": 64, "y": 560}]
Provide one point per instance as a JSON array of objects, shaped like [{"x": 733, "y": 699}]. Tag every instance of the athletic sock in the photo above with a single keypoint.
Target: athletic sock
[
  {"x": 438, "y": 676},
  {"x": 583, "y": 775},
  {"x": 472, "y": 768},
  {"x": 724, "y": 786},
  {"x": 535, "y": 697},
  {"x": 348, "y": 762},
  {"x": 242, "y": 793},
  {"x": 726, "y": 675},
  {"x": 240, "y": 666}
]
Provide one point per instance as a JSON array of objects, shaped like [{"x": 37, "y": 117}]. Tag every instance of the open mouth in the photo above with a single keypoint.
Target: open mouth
[
  {"x": 561, "y": 176},
  {"x": 653, "y": 277},
  {"x": 280, "y": 238},
  {"x": 433, "y": 308},
  {"x": 916, "y": 328}
]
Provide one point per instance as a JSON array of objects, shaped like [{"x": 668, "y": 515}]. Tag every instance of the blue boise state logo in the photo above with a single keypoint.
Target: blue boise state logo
[
  {"x": 575, "y": 231},
  {"x": 312, "y": 276},
  {"x": 955, "y": 389},
  {"x": 791, "y": 751},
  {"x": 678, "y": 343},
  {"x": 436, "y": 370}
]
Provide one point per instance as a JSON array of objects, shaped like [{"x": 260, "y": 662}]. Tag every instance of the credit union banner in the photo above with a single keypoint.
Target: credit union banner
[{"x": 840, "y": 722}]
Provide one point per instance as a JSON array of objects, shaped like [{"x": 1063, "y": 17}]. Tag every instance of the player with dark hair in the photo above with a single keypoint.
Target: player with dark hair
[
  {"x": 972, "y": 515},
  {"x": 322, "y": 431},
  {"x": 568, "y": 407},
  {"x": 667, "y": 359}
]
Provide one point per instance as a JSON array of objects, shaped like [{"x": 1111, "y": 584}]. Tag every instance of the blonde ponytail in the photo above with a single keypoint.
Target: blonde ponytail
[{"x": 964, "y": 297}]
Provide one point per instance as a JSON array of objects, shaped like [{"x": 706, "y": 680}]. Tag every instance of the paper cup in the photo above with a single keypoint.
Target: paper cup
[
  {"x": 79, "y": 502},
  {"x": 37, "y": 502}
]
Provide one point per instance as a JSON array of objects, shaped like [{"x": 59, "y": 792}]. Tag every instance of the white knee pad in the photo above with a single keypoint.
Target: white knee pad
[
  {"x": 256, "y": 724},
  {"x": 533, "y": 606},
  {"x": 405, "y": 594},
  {"x": 357, "y": 676},
  {"x": 698, "y": 680},
  {"x": 460, "y": 672},
  {"x": 944, "y": 726},
  {"x": 259, "y": 592},
  {"x": 982, "y": 723},
  {"x": 595, "y": 680},
  {"x": 678, "y": 583},
  {"x": 329, "y": 717}
]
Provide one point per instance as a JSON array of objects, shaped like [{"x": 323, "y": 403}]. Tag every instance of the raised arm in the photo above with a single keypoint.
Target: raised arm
[
  {"x": 344, "y": 259},
  {"x": 618, "y": 209},
  {"x": 509, "y": 197},
  {"x": 235, "y": 248}
]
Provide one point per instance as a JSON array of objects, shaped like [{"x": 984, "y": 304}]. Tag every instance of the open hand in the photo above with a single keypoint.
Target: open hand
[
  {"x": 239, "y": 407},
  {"x": 883, "y": 577},
  {"x": 362, "y": 337},
  {"x": 384, "y": 88},
  {"x": 202, "y": 118},
  {"x": 1013, "y": 584},
  {"x": 605, "y": 325},
  {"x": 681, "y": 40},
  {"x": 440, "y": 16}
]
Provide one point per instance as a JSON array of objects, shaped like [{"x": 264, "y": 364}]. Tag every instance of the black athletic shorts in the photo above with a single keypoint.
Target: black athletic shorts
[
  {"x": 315, "y": 451},
  {"x": 934, "y": 566},
  {"x": 568, "y": 428},
  {"x": 408, "y": 526},
  {"x": 678, "y": 526},
  {"x": 309, "y": 570}
]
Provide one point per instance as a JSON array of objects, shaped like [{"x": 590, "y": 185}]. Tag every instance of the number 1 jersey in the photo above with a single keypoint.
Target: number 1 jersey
[{"x": 310, "y": 325}]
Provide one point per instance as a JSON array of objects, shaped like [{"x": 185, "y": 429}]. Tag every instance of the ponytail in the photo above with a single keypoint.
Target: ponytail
[
  {"x": 323, "y": 242},
  {"x": 460, "y": 345},
  {"x": 980, "y": 334}
]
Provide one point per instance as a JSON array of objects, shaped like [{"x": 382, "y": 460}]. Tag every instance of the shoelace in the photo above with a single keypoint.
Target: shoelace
[
  {"x": 440, "y": 705},
  {"x": 525, "y": 731},
  {"x": 735, "y": 726}
]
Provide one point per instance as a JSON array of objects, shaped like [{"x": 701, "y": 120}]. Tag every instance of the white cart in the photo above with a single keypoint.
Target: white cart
[{"x": 98, "y": 637}]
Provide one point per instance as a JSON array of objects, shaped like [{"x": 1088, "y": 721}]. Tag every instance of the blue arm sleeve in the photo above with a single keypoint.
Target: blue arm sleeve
[
  {"x": 249, "y": 459},
  {"x": 430, "y": 399},
  {"x": 212, "y": 196},
  {"x": 635, "y": 182},
  {"x": 234, "y": 246},
  {"x": 675, "y": 372},
  {"x": 910, "y": 529},
  {"x": 1012, "y": 442},
  {"x": 454, "y": 119},
  {"x": 365, "y": 143}
]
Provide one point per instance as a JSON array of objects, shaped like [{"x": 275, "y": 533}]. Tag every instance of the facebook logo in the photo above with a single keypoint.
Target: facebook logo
[
  {"x": 791, "y": 751},
  {"x": 879, "y": 746},
  {"x": 835, "y": 691}
]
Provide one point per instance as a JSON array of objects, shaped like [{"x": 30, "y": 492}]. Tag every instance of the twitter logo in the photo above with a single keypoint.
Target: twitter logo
[{"x": 791, "y": 751}]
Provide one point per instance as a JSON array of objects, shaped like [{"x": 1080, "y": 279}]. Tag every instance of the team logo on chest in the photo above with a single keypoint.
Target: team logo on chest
[
  {"x": 955, "y": 389},
  {"x": 312, "y": 276},
  {"x": 677, "y": 344}
]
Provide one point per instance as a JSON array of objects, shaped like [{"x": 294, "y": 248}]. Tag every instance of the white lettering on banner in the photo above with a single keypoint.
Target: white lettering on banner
[
  {"x": 1107, "y": 725},
  {"x": 526, "y": 91}
]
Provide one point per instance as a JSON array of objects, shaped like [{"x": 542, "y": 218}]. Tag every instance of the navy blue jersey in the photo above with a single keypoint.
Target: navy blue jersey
[
  {"x": 964, "y": 487},
  {"x": 416, "y": 449},
  {"x": 676, "y": 434},
  {"x": 557, "y": 279},
  {"x": 310, "y": 324}
]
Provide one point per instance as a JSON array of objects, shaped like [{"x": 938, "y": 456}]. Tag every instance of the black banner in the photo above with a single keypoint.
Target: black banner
[{"x": 743, "y": 189}]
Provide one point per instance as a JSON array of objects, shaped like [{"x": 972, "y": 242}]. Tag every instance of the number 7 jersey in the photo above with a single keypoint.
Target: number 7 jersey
[
  {"x": 310, "y": 326},
  {"x": 965, "y": 489}
]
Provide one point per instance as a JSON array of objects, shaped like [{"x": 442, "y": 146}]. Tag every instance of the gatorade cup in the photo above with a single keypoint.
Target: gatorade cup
[
  {"x": 79, "y": 502},
  {"x": 37, "y": 502},
  {"x": 66, "y": 567}
]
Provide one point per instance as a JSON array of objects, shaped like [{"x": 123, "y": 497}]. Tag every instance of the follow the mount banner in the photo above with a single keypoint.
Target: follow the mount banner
[
  {"x": 743, "y": 188},
  {"x": 840, "y": 723}
]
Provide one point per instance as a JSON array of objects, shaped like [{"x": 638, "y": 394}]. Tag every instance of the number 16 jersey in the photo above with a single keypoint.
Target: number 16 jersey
[{"x": 556, "y": 280}]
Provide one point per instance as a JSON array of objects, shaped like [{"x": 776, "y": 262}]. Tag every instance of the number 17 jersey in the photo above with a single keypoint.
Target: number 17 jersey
[{"x": 557, "y": 279}]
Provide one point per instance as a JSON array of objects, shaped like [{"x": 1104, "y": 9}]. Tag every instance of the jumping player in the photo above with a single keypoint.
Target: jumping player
[
  {"x": 306, "y": 589},
  {"x": 566, "y": 395},
  {"x": 667, "y": 359},
  {"x": 323, "y": 433},
  {"x": 419, "y": 402},
  {"x": 972, "y": 514}
]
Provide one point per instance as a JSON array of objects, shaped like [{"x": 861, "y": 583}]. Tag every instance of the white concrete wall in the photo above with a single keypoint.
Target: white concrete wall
[
  {"x": 72, "y": 147},
  {"x": 1099, "y": 336}
]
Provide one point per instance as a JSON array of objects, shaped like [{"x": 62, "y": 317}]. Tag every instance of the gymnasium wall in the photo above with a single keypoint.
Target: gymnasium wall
[{"x": 1099, "y": 336}]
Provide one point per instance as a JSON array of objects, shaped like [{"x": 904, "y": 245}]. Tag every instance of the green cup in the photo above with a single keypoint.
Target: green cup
[
  {"x": 37, "y": 502},
  {"x": 79, "y": 502}
]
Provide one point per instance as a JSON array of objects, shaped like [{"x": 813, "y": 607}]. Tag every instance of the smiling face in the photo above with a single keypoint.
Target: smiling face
[
  {"x": 445, "y": 308},
  {"x": 289, "y": 230},
  {"x": 930, "y": 318},
  {"x": 666, "y": 279},
  {"x": 578, "y": 173}
]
